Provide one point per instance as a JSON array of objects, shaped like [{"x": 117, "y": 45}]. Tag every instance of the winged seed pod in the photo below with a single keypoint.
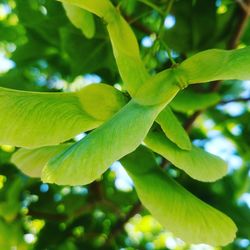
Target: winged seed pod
[
  {"x": 81, "y": 19},
  {"x": 120, "y": 127}
]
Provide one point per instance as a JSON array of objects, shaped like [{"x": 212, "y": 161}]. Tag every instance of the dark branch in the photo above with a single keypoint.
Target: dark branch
[
  {"x": 240, "y": 99},
  {"x": 118, "y": 227}
]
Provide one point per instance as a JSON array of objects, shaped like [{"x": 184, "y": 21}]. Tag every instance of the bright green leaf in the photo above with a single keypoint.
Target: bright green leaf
[
  {"x": 30, "y": 119},
  {"x": 197, "y": 163},
  {"x": 127, "y": 54},
  {"x": 189, "y": 100},
  {"x": 206, "y": 66},
  {"x": 101, "y": 101},
  {"x": 173, "y": 129},
  {"x": 101, "y": 8},
  {"x": 177, "y": 209},
  {"x": 124, "y": 43},
  {"x": 215, "y": 64},
  {"x": 81, "y": 19},
  {"x": 86, "y": 160},
  {"x": 140, "y": 161},
  {"x": 160, "y": 88},
  {"x": 32, "y": 161}
]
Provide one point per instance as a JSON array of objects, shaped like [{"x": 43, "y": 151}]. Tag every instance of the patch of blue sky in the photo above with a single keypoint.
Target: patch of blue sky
[
  {"x": 122, "y": 181},
  {"x": 82, "y": 81},
  {"x": 4, "y": 10},
  {"x": 201, "y": 247},
  {"x": 243, "y": 243},
  {"x": 233, "y": 109},
  {"x": 245, "y": 199},
  {"x": 236, "y": 130},
  {"x": 44, "y": 187},
  {"x": 218, "y": 3},
  {"x": 79, "y": 190},
  {"x": 169, "y": 22},
  {"x": 147, "y": 41},
  {"x": 28, "y": 238},
  {"x": 162, "y": 55},
  {"x": 92, "y": 78},
  {"x": 5, "y": 63},
  {"x": 246, "y": 89},
  {"x": 80, "y": 136},
  {"x": 225, "y": 149}
]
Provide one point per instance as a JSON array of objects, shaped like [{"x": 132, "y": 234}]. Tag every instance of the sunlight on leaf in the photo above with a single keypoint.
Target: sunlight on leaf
[
  {"x": 215, "y": 64},
  {"x": 175, "y": 208},
  {"x": 188, "y": 100},
  {"x": 33, "y": 119},
  {"x": 32, "y": 161},
  {"x": 86, "y": 160},
  {"x": 160, "y": 88},
  {"x": 81, "y": 19},
  {"x": 173, "y": 129},
  {"x": 197, "y": 163},
  {"x": 124, "y": 43}
]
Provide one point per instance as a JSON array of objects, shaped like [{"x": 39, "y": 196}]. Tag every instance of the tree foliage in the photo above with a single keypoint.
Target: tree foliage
[{"x": 99, "y": 128}]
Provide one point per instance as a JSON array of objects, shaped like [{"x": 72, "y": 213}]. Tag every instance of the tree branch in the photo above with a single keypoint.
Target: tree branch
[
  {"x": 240, "y": 99},
  {"x": 119, "y": 226},
  {"x": 238, "y": 32}
]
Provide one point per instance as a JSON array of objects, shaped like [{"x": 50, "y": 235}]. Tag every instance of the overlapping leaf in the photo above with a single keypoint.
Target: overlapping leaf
[
  {"x": 206, "y": 66},
  {"x": 197, "y": 163},
  {"x": 161, "y": 88},
  {"x": 86, "y": 160},
  {"x": 32, "y": 161},
  {"x": 30, "y": 119},
  {"x": 173, "y": 129},
  {"x": 215, "y": 64},
  {"x": 188, "y": 100},
  {"x": 130, "y": 65},
  {"x": 177, "y": 209},
  {"x": 124, "y": 43},
  {"x": 81, "y": 19}
]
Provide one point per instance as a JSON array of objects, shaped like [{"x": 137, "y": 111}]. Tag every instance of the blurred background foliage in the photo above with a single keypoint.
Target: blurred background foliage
[{"x": 40, "y": 50}]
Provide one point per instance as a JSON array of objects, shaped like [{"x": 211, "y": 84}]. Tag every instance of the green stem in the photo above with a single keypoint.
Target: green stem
[
  {"x": 169, "y": 53},
  {"x": 161, "y": 30}
]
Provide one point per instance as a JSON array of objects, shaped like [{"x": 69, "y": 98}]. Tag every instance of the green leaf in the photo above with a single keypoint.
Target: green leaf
[
  {"x": 32, "y": 161},
  {"x": 81, "y": 19},
  {"x": 215, "y": 64},
  {"x": 177, "y": 209},
  {"x": 33, "y": 119},
  {"x": 101, "y": 8},
  {"x": 124, "y": 43},
  {"x": 139, "y": 162},
  {"x": 101, "y": 101},
  {"x": 188, "y": 100},
  {"x": 197, "y": 163},
  {"x": 160, "y": 88},
  {"x": 206, "y": 66},
  {"x": 173, "y": 129},
  {"x": 127, "y": 54},
  {"x": 86, "y": 160}
]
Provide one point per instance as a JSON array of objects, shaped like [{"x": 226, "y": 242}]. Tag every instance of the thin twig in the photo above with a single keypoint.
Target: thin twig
[
  {"x": 119, "y": 226},
  {"x": 47, "y": 216},
  {"x": 244, "y": 6},
  {"x": 242, "y": 23},
  {"x": 240, "y": 99}
]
